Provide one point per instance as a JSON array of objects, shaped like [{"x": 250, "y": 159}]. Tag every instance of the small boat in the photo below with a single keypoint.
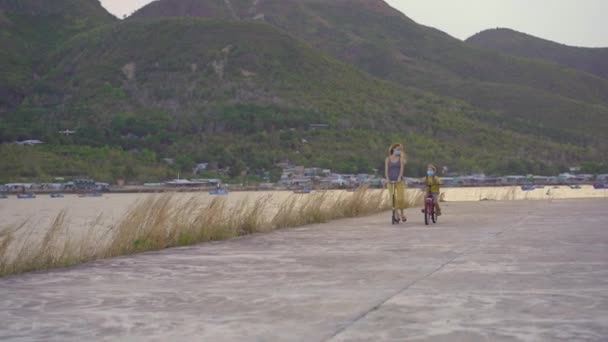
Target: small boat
[
  {"x": 528, "y": 187},
  {"x": 57, "y": 195},
  {"x": 218, "y": 192},
  {"x": 599, "y": 186},
  {"x": 575, "y": 187},
  {"x": 26, "y": 196},
  {"x": 3, "y": 196}
]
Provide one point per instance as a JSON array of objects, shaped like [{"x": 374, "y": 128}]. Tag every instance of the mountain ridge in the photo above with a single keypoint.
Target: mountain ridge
[
  {"x": 246, "y": 94},
  {"x": 397, "y": 49},
  {"x": 29, "y": 30},
  {"x": 590, "y": 60}
]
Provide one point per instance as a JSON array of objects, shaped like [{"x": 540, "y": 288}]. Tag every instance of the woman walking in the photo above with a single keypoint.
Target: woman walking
[{"x": 394, "y": 167}]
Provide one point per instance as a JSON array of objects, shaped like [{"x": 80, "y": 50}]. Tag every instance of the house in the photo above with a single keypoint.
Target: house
[
  {"x": 513, "y": 179},
  {"x": 413, "y": 180},
  {"x": 200, "y": 167},
  {"x": 296, "y": 182},
  {"x": 208, "y": 181},
  {"x": 312, "y": 172},
  {"x": 541, "y": 180},
  {"x": 363, "y": 178},
  {"x": 103, "y": 187},
  {"x": 293, "y": 172},
  {"x": 67, "y": 132},
  {"x": 28, "y": 142},
  {"x": 584, "y": 178},
  {"x": 491, "y": 180},
  {"x": 337, "y": 180},
  {"x": 15, "y": 187},
  {"x": 184, "y": 183},
  {"x": 566, "y": 176}
]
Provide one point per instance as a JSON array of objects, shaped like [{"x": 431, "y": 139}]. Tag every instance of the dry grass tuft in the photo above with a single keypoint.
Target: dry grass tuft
[
  {"x": 54, "y": 249},
  {"x": 165, "y": 221},
  {"x": 415, "y": 198}
]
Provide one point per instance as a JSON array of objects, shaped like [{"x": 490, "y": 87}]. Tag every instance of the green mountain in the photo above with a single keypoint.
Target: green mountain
[
  {"x": 244, "y": 94},
  {"x": 384, "y": 42},
  {"x": 591, "y": 60},
  {"x": 30, "y": 30},
  {"x": 529, "y": 95}
]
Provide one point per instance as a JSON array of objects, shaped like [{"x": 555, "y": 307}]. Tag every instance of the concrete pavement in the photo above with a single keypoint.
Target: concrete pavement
[{"x": 489, "y": 271}]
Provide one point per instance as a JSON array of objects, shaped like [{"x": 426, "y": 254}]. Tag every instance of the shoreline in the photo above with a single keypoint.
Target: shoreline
[{"x": 168, "y": 189}]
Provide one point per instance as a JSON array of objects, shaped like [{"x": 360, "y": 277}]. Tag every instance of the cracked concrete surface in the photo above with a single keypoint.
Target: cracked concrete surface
[{"x": 489, "y": 271}]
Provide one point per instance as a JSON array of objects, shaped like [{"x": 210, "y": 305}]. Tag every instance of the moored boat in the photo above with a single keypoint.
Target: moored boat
[{"x": 218, "y": 192}]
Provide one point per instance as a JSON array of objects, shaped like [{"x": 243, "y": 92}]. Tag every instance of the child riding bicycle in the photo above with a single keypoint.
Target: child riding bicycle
[{"x": 432, "y": 185}]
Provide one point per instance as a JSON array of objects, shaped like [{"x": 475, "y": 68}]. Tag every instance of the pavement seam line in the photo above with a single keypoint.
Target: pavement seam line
[
  {"x": 384, "y": 301},
  {"x": 415, "y": 281}
]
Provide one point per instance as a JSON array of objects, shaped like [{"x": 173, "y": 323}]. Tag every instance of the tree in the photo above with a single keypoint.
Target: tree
[{"x": 237, "y": 169}]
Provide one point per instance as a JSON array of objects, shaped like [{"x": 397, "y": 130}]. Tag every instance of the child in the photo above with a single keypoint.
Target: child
[{"x": 432, "y": 183}]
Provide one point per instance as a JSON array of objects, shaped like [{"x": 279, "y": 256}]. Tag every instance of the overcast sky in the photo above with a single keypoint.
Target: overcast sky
[{"x": 572, "y": 22}]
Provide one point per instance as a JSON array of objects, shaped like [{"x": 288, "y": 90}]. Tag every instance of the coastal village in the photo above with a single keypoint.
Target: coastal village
[{"x": 300, "y": 179}]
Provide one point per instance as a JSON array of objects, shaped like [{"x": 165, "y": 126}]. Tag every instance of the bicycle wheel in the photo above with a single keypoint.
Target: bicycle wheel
[{"x": 426, "y": 215}]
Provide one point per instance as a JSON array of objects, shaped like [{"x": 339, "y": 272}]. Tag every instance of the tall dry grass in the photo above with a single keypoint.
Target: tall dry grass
[
  {"x": 22, "y": 251},
  {"x": 165, "y": 221}
]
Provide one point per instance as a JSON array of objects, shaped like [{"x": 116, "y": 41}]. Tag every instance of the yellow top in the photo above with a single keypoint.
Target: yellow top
[{"x": 432, "y": 184}]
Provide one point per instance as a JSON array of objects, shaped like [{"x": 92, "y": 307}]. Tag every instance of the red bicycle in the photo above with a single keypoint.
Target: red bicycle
[{"x": 430, "y": 211}]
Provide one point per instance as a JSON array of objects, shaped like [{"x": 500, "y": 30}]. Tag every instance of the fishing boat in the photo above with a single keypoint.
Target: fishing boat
[
  {"x": 218, "y": 192},
  {"x": 599, "y": 186},
  {"x": 575, "y": 187},
  {"x": 57, "y": 195},
  {"x": 528, "y": 187},
  {"x": 26, "y": 196}
]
